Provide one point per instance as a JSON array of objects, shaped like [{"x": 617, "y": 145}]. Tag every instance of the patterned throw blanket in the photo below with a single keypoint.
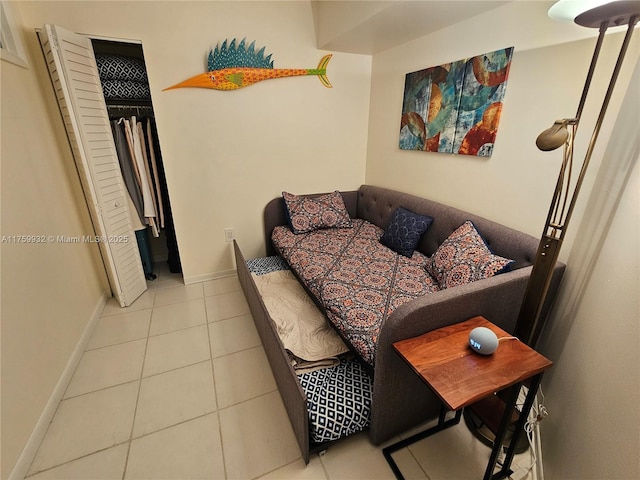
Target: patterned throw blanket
[{"x": 359, "y": 281}]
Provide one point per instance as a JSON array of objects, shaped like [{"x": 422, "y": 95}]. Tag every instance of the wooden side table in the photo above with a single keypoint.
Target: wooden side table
[{"x": 459, "y": 377}]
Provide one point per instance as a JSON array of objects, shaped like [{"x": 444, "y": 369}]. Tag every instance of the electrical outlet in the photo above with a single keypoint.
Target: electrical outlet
[{"x": 228, "y": 234}]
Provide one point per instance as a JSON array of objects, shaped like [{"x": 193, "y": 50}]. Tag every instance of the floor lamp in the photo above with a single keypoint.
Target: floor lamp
[{"x": 587, "y": 13}]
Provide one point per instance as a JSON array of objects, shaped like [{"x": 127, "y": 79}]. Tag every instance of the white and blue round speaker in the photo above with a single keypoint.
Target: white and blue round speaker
[{"x": 483, "y": 340}]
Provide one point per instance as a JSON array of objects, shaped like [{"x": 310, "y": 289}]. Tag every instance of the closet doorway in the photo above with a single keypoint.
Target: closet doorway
[
  {"x": 125, "y": 85},
  {"x": 97, "y": 106}
]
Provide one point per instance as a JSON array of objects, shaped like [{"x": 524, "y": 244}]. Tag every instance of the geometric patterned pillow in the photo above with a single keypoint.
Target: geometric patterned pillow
[
  {"x": 125, "y": 89},
  {"x": 463, "y": 258},
  {"x": 339, "y": 400},
  {"x": 307, "y": 214},
  {"x": 120, "y": 67},
  {"x": 264, "y": 265},
  {"x": 404, "y": 231}
]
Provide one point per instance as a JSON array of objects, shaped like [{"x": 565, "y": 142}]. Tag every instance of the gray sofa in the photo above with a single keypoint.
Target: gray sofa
[{"x": 400, "y": 399}]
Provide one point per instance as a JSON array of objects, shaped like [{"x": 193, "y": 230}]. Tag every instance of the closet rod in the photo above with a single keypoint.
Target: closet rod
[{"x": 126, "y": 110}]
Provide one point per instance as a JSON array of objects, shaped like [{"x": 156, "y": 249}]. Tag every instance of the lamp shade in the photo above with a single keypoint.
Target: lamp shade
[
  {"x": 592, "y": 13},
  {"x": 553, "y": 137}
]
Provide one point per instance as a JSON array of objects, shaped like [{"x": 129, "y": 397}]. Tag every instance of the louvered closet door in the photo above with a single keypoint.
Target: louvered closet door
[{"x": 76, "y": 82}]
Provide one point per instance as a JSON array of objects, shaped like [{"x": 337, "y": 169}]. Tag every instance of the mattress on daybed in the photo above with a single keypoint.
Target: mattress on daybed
[
  {"x": 359, "y": 281},
  {"x": 339, "y": 395}
]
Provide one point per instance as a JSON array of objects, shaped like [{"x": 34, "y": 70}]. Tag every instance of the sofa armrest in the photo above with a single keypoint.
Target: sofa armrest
[
  {"x": 400, "y": 398},
  {"x": 497, "y": 298}
]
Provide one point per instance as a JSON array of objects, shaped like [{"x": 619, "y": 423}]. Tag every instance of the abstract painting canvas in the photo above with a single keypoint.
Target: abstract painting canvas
[{"x": 455, "y": 107}]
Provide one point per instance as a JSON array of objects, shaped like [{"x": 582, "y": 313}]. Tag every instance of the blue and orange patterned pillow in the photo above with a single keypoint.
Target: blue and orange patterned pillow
[
  {"x": 311, "y": 213},
  {"x": 463, "y": 258},
  {"x": 404, "y": 231}
]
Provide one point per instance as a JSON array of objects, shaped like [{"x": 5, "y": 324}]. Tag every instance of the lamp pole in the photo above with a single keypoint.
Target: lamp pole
[
  {"x": 530, "y": 322},
  {"x": 562, "y": 133}
]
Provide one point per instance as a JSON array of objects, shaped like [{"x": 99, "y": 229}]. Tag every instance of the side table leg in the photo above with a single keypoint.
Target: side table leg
[
  {"x": 519, "y": 427},
  {"x": 500, "y": 434},
  {"x": 442, "y": 424},
  {"x": 505, "y": 471}
]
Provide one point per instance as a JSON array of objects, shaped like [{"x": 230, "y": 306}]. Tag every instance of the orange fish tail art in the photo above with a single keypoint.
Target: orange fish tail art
[{"x": 232, "y": 67}]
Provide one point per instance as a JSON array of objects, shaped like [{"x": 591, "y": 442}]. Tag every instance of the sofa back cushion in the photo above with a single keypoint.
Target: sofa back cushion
[{"x": 376, "y": 205}]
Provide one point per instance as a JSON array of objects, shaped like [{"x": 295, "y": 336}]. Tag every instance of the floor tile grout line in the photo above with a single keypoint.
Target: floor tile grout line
[
  {"x": 167, "y": 427},
  {"x": 210, "y": 360},
  {"x": 114, "y": 344},
  {"x": 75, "y": 459},
  {"x": 101, "y": 389},
  {"x": 174, "y": 369},
  {"x": 181, "y": 329},
  {"x": 324, "y": 467},
  {"x": 186, "y": 420},
  {"x": 45, "y": 436},
  {"x": 63, "y": 399},
  {"x": 263, "y": 394},
  {"x": 95, "y": 349},
  {"x": 122, "y": 310},
  {"x": 175, "y": 331},
  {"x": 176, "y": 302},
  {"x": 185, "y": 288},
  {"x": 141, "y": 377},
  {"x": 55, "y": 413},
  {"x": 215, "y": 393},
  {"x": 417, "y": 461},
  {"x": 246, "y": 349},
  {"x": 226, "y": 292},
  {"x": 229, "y": 318},
  {"x": 135, "y": 411},
  {"x": 98, "y": 347}
]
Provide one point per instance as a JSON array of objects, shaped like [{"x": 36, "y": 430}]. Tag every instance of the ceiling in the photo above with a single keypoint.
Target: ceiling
[{"x": 369, "y": 27}]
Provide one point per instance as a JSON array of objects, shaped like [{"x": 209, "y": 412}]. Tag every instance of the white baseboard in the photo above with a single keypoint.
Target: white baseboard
[
  {"x": 209, "y": 276},
  {"x": 30, "y": 449}
]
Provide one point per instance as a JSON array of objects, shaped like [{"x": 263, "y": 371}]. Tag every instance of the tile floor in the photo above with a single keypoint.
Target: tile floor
[{"x": 177, "y": 386}]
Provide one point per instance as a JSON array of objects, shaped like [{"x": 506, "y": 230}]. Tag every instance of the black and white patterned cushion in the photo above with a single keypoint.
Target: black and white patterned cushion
[
  {"x": 123, "y": 77},
  {"x": 262, "y": 266},
  {"x": 339, "y": 400},
  {"x": 114, "y": 89},
  {"x": 120, "y": 67}
]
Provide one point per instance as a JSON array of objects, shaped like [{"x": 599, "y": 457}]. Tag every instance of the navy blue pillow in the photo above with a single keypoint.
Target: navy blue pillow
[{"x": 404, "y": 231}]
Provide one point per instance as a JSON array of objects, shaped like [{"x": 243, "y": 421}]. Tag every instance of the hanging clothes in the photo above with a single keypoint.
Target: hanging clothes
[
  {"x": 173, "y": 258},
  {"x": 137, "y": 126},
  {"x": 126, "y": 90},
  {"x": 127, "y": 168},
  {"x": 156, "y": 177},
  {"x": 131, "y": 129}
]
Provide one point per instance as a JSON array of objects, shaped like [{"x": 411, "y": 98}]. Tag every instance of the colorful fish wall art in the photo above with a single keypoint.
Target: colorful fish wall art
[
  {"x": 455, "y": 108},
  {"x": 232, "y": 66}
]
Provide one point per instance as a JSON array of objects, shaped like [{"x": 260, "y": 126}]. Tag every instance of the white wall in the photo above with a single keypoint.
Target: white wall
[
  {"x": 227, "y": 153},
  {"x": 592, "y": 390},
  {"x": 595, "y": 332},
  {"x": 544, "y": 84},
  {"x": 49, "y": 290}
]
